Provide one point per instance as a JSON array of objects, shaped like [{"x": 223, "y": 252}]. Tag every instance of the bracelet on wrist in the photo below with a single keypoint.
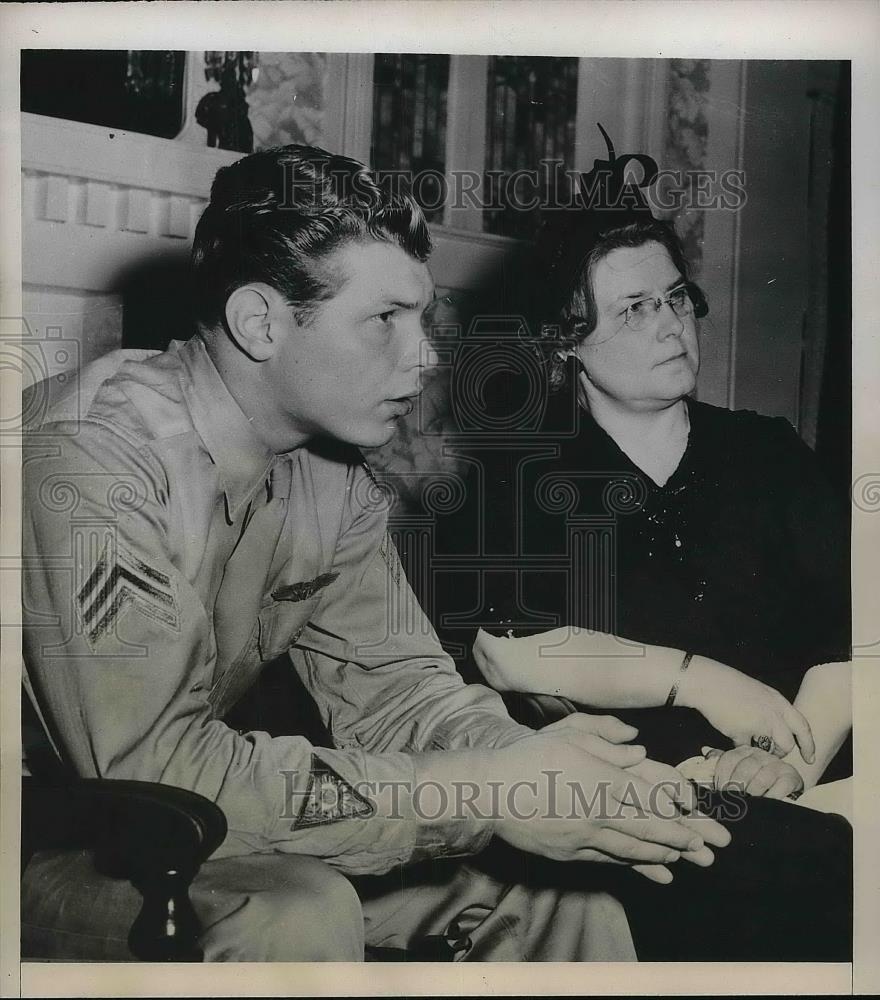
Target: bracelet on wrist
[{"x": 673, "y": 691}]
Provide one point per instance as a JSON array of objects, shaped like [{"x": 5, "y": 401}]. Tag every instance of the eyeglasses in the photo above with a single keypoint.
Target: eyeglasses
[{"x": 639, "y": 314}]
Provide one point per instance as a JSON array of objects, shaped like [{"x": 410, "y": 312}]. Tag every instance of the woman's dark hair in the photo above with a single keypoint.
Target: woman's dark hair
[
  {"x": 577, "y": 318},
  {"x": 276, "y": 215}
]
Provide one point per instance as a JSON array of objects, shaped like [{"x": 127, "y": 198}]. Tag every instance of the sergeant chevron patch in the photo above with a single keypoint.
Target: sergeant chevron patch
[
  {"x": 121, "y": 580},
  {"x": 388, "y": 551},
  {"x": 330, "y": 798}
]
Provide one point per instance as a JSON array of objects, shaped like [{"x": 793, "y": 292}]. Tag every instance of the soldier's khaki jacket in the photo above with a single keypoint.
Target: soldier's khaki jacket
[{"x": 140, "y": 476}]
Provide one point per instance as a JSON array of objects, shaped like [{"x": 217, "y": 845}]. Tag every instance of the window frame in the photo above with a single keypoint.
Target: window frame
[{"x": 628, "y": 104}]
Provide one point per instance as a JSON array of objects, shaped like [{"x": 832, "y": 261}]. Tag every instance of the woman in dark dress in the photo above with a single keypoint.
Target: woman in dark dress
[
  {"x": 725, "y": 541},
  {"x": 728, "y": 544},
  {"x": 718, "y": 557}
]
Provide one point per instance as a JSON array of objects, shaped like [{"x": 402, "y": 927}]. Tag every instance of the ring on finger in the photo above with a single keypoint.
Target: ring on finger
[{"x": 764, "y": 743}]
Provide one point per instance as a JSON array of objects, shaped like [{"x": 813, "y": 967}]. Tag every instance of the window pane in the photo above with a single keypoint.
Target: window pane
[
  {"x": 286, "y": 99},
  {"x": 409, "y": 123},
  {"x": 133, "y": 91},
  {"x": 530, "y": 118}
]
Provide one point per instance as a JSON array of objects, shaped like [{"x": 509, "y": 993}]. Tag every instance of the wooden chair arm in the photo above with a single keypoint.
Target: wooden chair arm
[{"x": 157, "y": 836}]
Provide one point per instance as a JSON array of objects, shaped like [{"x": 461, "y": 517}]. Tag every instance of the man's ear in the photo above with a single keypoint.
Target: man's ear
[{"x": 252, "y": 315}]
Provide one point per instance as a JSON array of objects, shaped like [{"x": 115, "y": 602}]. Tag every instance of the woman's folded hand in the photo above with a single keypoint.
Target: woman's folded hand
[
  {"x": 757, "y": 772},
  {"x": 747, "y": 711}
]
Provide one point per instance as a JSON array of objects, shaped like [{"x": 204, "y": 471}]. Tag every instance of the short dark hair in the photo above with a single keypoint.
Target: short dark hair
[
  {"x": 578, "y": 316},
  {"x": 275, "y": 215}
]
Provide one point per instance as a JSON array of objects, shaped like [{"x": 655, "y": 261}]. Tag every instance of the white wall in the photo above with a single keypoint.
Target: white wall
[{"x": 96, "y": 206}]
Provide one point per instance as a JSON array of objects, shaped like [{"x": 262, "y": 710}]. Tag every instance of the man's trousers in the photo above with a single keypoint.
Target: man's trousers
[{"x": 285, "y": 907}]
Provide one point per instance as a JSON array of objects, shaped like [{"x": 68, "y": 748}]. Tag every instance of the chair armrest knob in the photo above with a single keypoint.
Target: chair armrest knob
[{"x": 157, "y": 836}]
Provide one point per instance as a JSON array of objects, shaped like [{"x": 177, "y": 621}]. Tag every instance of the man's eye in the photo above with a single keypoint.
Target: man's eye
[
  {"x": 677, "y": 297},
  {"x": 384, "y": 317},
  {"x": 638, "y": 308}
]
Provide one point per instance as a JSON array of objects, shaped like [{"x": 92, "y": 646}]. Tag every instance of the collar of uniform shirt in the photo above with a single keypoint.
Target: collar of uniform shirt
[{"x": 242, "y": 459}]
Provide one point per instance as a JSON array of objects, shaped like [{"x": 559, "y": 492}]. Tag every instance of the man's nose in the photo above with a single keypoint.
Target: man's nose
[{"x": 418, "y": 351}]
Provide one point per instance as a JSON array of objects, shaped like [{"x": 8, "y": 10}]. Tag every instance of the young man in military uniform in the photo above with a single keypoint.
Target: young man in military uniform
[{"x": 194, "y": 513}]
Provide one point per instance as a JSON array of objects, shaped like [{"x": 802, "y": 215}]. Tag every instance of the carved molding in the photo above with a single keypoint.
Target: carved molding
[{"x": 95, "y": 201}]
